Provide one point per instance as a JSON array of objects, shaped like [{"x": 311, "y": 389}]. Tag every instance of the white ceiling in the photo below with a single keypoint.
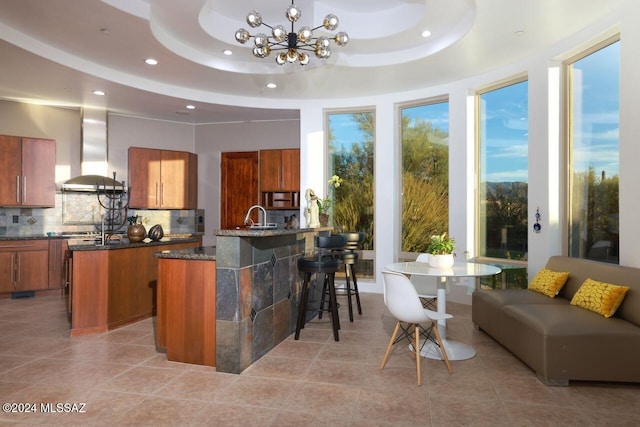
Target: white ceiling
[{"x": 59, "y": 51}]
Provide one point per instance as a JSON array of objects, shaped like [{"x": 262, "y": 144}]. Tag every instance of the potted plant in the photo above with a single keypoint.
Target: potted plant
[
  {"x": 440, "y": 250},
  {"x": 324, "y": 206}
]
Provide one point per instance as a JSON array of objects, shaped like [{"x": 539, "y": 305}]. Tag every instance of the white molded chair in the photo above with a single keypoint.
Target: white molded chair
[
  {"x": 403, "y": 302},
  {"x": 427, "y": 287}
]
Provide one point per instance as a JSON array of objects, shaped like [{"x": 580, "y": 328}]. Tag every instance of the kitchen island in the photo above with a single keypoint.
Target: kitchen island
[
  {"x": 186, "y": 318},
  {"x": 115, "y": 284},
  {"x": 257, "y": 290}
]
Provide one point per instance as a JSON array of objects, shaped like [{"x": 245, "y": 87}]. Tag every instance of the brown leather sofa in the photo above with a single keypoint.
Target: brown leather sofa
[{"x": 561, "y": 342}]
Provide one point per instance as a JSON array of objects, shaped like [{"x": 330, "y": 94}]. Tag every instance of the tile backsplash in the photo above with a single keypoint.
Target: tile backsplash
[{"x": 80, "y": 212}]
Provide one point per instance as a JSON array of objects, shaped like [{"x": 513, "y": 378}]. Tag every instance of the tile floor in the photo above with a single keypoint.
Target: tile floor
[{"x": 122, "y": 380}]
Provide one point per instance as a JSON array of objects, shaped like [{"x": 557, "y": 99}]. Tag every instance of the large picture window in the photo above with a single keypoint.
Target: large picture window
[
  {"x": 351, "y": 137},
  {"x": 425, "y": 173},
  {"x": 503, "y": 171},
  {"x": 593, "y": 87}
]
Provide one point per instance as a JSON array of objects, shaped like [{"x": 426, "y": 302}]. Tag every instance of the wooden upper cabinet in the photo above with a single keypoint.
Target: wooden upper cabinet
[
  {"x": 27, "y": 171},
  {"x": 163, "y": 179},
  {"x": 280, "y": 170}
]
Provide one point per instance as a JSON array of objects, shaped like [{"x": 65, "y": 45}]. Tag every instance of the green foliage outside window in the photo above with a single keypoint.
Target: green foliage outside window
[
  {"x": 352, "y": 208},
  {"x": 425, "y": 183}
]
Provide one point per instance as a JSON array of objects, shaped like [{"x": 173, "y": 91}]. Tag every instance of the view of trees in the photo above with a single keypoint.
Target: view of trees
[
  {"x": 595, "y": 215},
  {"x": 506, "y": 220},
  {"x": 353, "y": 162},
  {"x": 425, "y": 183}
]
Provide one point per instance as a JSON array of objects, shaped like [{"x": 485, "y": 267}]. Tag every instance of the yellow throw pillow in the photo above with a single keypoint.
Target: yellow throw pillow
[
  {"x": 603, "y": 298},
  {"x": 548, "y": 282}
]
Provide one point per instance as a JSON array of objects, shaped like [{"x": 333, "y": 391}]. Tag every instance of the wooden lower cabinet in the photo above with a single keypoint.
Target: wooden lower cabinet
[
  {"x": 186, "y": 322},
  {"x": 24, "y": 265},
  {"x": 57, "y": 251},
  {"x": 114, "y": 287}
]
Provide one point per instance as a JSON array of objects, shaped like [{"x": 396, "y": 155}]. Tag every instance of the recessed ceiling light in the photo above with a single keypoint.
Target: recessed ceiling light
[
  {"x": 272, "y": 85},
  {"x": 190, "y": 107},
  {"x": 151, "y": 61},
  {"x": 426, "y": 33},
  {"x": 99, "y": 92},
  {"x": 227, "y": 52}
]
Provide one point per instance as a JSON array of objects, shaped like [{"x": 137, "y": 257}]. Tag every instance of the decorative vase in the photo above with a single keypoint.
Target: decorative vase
[
  {"x": 441, "y": 261},
  {"x": 156, "y": 233},
  {"x": 324, "y": 219},
  {"x": 136, "y": 233}
]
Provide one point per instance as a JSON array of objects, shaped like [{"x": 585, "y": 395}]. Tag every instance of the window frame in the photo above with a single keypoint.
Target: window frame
[
  {"x": 567, "y": 135},
  {"x": 510, "y": 81},
  {"x": 368, "y": 254},
  {"x": 437, "y": 99}
]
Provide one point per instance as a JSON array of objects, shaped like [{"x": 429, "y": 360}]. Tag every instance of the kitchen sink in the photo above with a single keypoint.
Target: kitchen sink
[{"x": 269, "y": 226}]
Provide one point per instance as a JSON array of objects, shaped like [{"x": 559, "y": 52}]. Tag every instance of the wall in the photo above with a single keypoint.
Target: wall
[
  {"x": 64, "y": 125},
  {"x": 546, "y": 155},
  {"x": 546, "y": 150},
  {"x": 213, "y": 139},
  {"x": 38, "y": 121},
  {"x": 126, "y": 131}
]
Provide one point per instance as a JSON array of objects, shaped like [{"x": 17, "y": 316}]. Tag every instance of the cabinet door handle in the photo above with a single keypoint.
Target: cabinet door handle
[
  {"x": 157, "y": 195},
  {"x": 18, "y": 189},
  {"x": 24, "y": 189},
  {"x": 19, "y": 275},
  {"x": 13, "y": 268},
  {"x": 162, "y": 194}
]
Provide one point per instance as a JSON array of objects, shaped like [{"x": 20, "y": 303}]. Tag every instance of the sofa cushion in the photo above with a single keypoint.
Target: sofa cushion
[
  {"x": 566, "y": 342},
  {"x": 548, "y": 282},
  {"x": 582, "y": 269},
  {"x": 486, "y": 305},
  {"x": 600, "y": 297}
]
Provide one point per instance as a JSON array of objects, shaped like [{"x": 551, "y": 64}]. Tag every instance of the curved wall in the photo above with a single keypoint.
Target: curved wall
[{"x": 546, "y": 156}]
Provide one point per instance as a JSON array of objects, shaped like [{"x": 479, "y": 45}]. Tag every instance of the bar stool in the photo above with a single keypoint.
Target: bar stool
[
  {"x": 325, "y": 263},
  {"x": 349, "y": 256}
]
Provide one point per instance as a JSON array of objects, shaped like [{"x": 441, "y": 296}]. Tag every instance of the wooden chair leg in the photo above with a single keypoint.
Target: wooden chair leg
[
  {"x": 393, "y": 338},
  {"x": 416, "y": 347},
  {"x": 442, "y": 349}
]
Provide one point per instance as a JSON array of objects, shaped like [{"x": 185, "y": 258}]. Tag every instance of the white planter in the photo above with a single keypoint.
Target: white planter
[{"x": 441, "y": 261}]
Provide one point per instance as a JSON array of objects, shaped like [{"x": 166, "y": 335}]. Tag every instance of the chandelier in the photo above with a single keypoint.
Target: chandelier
[{"x": 293, "y": 46}]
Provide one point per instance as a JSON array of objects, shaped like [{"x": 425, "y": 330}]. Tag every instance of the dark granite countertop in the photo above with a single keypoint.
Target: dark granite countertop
[
  {"x": 247, "y": 232},
  {"x": 35, "y": 237},
  {"x": 69, "y": 237},
  {"x": 202, "y": 253},
  {"x": 83, "y": 245}
]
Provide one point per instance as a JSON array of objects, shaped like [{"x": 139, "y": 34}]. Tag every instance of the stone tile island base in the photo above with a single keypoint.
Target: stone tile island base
[{"x": 257, "y": 291}]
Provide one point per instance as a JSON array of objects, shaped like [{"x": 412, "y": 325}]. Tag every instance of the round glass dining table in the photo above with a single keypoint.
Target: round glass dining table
[{"x": 455, "y": 350}]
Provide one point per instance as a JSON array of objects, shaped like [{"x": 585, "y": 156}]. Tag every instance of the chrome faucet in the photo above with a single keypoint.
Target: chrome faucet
[{"x": 264, "y": 216}]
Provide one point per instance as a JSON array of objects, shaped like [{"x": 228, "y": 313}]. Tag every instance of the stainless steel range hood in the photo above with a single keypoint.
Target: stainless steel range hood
[
  {"x": 93, "y": 183},
  {"x": 94, "y": 153}
]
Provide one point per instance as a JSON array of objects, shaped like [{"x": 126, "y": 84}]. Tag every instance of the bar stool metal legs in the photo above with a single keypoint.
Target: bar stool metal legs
[
  {"x": 324, "y": 265},
  {"x": 329, "y": 282}
]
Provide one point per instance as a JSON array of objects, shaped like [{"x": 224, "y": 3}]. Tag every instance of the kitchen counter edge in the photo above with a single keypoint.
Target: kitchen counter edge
[
  {"x": 202, "y": 253},
  {"x": 86, "y": 246},
  {"x": 245, "y": 232}
]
